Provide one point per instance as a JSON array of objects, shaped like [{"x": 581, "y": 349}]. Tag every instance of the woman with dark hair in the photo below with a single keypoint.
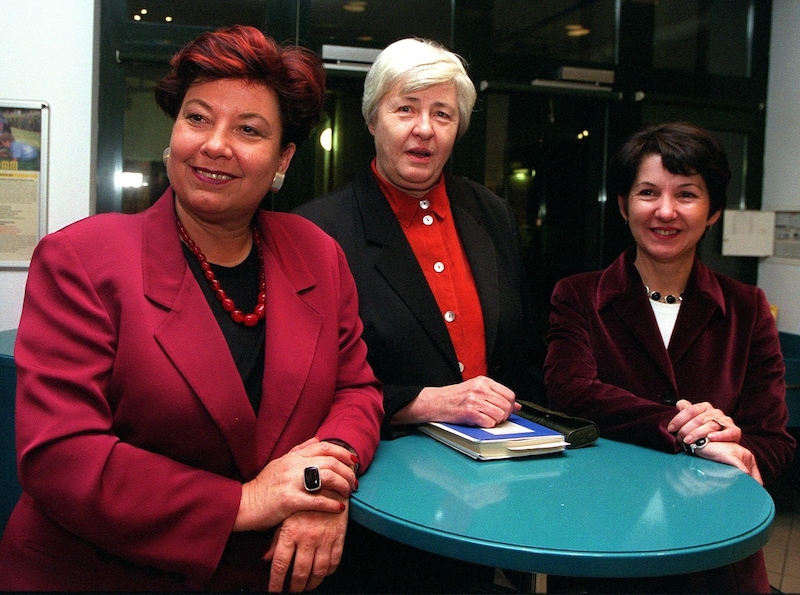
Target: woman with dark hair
[
  {"x": 660, "y": 350},
  {"x": 193, "y": 398}
]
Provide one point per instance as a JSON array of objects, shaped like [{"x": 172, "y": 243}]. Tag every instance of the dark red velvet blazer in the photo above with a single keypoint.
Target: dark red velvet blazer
[
  {"x": 606, "y": 359},
  {"x": 134, "y": 430}
]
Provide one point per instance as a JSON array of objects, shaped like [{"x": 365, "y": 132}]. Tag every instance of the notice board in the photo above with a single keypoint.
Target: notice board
[{"x": 23, "y": 179}]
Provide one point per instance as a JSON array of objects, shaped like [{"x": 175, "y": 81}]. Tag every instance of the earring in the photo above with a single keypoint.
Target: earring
[
  {"x": 165, "y": 155},
  {"x": 277, "y": 181}
]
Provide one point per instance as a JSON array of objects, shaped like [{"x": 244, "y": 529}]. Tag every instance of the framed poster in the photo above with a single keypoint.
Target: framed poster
[{"x": 23, "y": 179}]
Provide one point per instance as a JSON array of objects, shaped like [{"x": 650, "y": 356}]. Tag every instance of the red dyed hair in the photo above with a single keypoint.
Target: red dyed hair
[{"x": 295, "y": 73}]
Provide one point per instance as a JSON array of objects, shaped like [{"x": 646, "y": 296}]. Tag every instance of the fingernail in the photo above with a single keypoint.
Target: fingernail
[
  {"x": 341, "y": 506},
  {"x": 354, "y": 458}
]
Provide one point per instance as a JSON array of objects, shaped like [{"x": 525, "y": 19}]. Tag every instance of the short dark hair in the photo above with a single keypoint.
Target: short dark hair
[
  {"x": 685, "y": 149},
  {"x": 295, "y": 73}
]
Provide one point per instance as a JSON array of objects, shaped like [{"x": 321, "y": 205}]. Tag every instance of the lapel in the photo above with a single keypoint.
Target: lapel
[
  {"x": 621, "y": 289},
  {"x": 703, "y": 299},
  {"x": 191, "y": 337},
  {"x": 395, "y": 262},
  {"x": 292, "y": 333},
  {"x": 480, "y": 251}
]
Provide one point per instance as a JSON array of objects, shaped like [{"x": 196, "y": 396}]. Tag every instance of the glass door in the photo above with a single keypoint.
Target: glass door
[{"x": 545, "y": 153}]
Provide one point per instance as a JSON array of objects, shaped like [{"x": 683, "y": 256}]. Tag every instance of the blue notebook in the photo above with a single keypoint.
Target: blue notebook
[{"x": 516, "y": 437}]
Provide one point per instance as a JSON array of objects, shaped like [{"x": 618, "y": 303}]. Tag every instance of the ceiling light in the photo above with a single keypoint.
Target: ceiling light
[
  {"x": 355, "y": 6},
  {"x": 577, "y": 31}
]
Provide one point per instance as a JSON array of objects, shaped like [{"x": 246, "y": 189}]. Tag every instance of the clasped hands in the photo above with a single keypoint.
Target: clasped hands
[
  {"x": 703, "y": 420},
  {"x": 309, "y": 526}
]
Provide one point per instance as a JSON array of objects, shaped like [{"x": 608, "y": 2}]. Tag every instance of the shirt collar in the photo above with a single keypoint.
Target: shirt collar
[{"x": 405, "y": 206}]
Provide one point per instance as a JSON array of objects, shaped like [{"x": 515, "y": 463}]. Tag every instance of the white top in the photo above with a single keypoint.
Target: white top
[{"x": 666, "y": 315}]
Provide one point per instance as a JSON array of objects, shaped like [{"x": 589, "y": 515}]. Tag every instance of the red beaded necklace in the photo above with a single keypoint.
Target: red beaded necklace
[{"x": 227, "y": 303}]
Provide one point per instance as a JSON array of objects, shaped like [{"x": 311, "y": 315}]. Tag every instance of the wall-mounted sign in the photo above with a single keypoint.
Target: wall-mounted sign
[{"x": 23, "y": 179}]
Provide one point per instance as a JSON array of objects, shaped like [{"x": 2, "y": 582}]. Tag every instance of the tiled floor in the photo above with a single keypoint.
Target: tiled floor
[{"x": 782, "y": 553}]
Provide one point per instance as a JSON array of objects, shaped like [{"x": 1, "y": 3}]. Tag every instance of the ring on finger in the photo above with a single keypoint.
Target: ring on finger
[
  {"x": 699, "y": 443},
  {"x": 311, "y": 479}
]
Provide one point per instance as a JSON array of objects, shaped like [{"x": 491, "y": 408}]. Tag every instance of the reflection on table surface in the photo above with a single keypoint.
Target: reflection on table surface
[{"x": 611, "y": 509}]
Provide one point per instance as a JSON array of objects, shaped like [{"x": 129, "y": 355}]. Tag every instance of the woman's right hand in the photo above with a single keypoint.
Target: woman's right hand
[
  {"x": 478, "y": 401},
  {"x": 278, "y": 491}
]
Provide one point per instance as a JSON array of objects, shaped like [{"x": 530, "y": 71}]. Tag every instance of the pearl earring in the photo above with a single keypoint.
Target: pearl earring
[
  {"x": 277, "y": 181},
  {"x": 165, "y": 155}
]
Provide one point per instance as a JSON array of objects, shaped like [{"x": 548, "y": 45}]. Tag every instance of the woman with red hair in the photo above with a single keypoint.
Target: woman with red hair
[{"x": 193, "y": 397}]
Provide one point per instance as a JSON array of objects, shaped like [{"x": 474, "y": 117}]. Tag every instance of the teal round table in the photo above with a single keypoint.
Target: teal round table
[{"x": 608, "y": 510}]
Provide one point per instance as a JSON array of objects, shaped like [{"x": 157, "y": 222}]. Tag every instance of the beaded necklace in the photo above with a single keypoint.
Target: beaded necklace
[
  {"x": 667, "y": 299},
  {"x": 228, "y": 304}
]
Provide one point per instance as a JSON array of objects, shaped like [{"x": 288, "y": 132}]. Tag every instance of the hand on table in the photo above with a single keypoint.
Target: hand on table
[
  {"x": 732, "y": 454},
  {"x": 703, "y": 420},
  {"x": 479, "y": 401}
]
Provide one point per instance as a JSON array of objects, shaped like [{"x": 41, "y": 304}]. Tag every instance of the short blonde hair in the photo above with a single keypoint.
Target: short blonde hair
[{"x": 419, "y": 64}]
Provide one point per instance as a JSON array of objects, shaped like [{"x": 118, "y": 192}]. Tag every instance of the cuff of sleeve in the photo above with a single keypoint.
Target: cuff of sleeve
[{"x": 344, "y": 444}]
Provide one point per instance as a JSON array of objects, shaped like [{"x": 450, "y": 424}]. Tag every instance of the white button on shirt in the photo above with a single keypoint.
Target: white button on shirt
[
  {"x": 424, "y": 203},
  {"x": 438, "y": 267},
  {"x": 427, "y": 220},
  {"x": 449, "y": 316}
]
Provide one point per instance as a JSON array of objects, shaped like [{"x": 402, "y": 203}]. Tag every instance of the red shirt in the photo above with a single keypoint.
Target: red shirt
[{"x": 429, "y": 227}]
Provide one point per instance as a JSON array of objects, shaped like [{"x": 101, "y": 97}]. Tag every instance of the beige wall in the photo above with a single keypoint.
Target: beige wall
[
  {"x": 48, "y": 55},
  {"x": 780, "y": 279}
]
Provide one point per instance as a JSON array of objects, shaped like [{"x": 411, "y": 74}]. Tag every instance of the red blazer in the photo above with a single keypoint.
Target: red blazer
[
  {"x": 134, "y": 430},
  {"x": 606, "y": 361}
]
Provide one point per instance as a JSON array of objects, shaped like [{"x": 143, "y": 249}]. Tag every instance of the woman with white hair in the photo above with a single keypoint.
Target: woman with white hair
[{"x": 436, "y": 261}]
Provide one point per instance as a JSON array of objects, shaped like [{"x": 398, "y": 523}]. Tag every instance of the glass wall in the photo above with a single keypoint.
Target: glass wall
[
  {"x": 562, "y": 83},
  {"x": 556, "y": 30},
  {"x": 705, "y": 36},
  {"x": 376, "y": 23}
]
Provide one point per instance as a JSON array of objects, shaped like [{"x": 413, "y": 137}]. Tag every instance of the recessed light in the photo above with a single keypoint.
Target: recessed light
[
  {"x": 355, "y": 6},
  {"x": 577, "y": 32}
]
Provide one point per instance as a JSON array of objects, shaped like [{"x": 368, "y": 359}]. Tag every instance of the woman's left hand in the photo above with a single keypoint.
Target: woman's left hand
[
  {"x": 309, "y": 544},
  {"x": 732, "y": 454},
  {"x": 702, "y": 420}
]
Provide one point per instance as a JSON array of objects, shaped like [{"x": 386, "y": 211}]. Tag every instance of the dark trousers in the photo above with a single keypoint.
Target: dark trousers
[{"x": 372, "y": 563}]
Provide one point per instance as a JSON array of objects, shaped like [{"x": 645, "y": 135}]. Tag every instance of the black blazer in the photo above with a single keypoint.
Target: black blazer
[{"x": 408, "y": 345}]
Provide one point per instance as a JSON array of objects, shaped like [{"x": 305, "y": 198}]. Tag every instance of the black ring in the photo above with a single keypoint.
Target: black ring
[
  {"x": 691, "y": 448},
  {"x": 311, "y": 479}
]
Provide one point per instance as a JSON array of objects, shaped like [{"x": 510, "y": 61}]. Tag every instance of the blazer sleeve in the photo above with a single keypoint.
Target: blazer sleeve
[
  {"x": 357, "y": 411},
  {"x": 761, "y": 410},
  {"x": 137, "y": 504}
]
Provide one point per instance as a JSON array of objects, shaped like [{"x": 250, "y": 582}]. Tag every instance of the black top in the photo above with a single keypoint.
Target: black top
[{"x": 246, "y": 343}]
